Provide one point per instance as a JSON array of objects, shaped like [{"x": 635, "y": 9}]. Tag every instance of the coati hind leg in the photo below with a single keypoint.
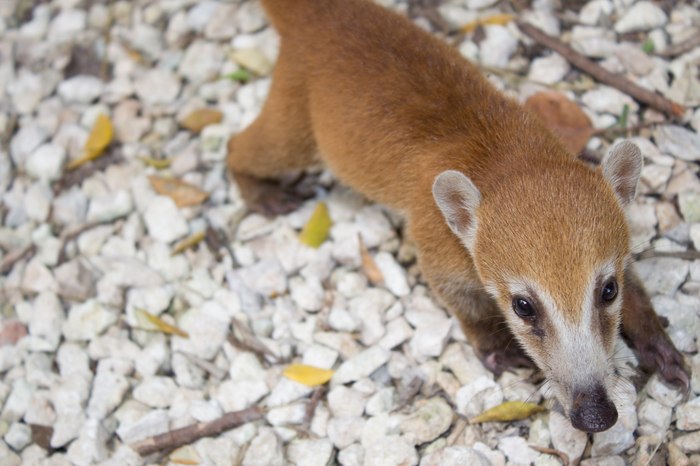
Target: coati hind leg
[
  {"x": 280, "y": 140},
  {"x": 642, "y": 328}
]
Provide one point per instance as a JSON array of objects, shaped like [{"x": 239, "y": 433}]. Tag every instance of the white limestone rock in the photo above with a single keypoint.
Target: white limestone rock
[
  {"x": 361, "y": 365},
  {"x": 81, "y": 89},
  {"x": 642, "y": 16},
  {"x": 87, "y": 320},
  {"x": 164, "y": 220}
]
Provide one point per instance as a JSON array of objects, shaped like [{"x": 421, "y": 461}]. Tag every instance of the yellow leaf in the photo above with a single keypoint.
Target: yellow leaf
[
  {"x": 97, "y": 142},
  {"x": 307, "y": 375},
  {"x": 188, "y": 242},
  {"x": 159, "y": 164},
  {"x": 184, "y": 194},
  {"x": 150, "y": 322},
  {"x": 508, "y": 411},
  {"x": 498, "y": 19},
  {"x": 200, "y": 118},
  {"x": 316, "y": 229},
  {"x": 374, "y": 275},
  {"x": 185, "y": 455}
]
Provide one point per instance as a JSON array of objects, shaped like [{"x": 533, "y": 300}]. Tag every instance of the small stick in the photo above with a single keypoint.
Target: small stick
[
  {"x": 316, "y": 397},
  {"x": 248, "y": 342},
  {"x": 458, "y": 430},
  {"x": 409, "y": 392},
  {"x": 73, "y": 234},
  {"x": 188, "y": 434},
  {"x": 551, "y": 451},
  {"x": 651, "y": 253},
  {"x": 216, "y": 372},
  {"x": 15, "y": 256},
  {"x": 601, "y": 74},
  {"x": 613, "y": 130},
  {"x": 681, "y": 47}
]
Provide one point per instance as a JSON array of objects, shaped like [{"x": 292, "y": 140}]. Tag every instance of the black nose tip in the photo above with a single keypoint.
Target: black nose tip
[{"x": 592, "y": 410}]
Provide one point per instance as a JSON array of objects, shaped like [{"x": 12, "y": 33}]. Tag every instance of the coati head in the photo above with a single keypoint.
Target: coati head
[{"x": 550, "y": 243}]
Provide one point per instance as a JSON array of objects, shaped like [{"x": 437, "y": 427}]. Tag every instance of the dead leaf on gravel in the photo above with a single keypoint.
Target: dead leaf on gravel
[
  {"x": 183, "y": 193},
  {"x": 100, "y": 137},
  {"x": 563, "y": 117},
  {"x": 200, "y": 118},
  {"x": 158, "y": 164},
  {"x": 148, "y": 321},
  {"x": 316, "y": 229},
  {"x": 508, "y": 411},
  {"x": 308, "y": 375},
  {"x": 185, "y": 455},
  {"x": 189, "y": 242},
  {"x": 498, "y": 19},
  {"x": 369, "y": 267}
]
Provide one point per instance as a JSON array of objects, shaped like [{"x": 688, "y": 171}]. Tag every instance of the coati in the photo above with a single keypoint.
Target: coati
[{"x": 508, "y": 225}]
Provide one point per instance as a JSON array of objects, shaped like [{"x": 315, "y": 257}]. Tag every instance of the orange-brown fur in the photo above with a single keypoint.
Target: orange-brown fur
[{"x": 387, "y": 108}]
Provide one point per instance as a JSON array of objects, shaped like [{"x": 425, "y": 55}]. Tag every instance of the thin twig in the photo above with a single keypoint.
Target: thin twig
[
  {"x": 188, "y": 434},
  {"x": 551, "y": 451},
  {"x": 73, "y": 234},
  {"x": 652, "y": 253},
  {"x": 457, "y": 432},
  {"x": 216, "y": 372},
  {"x": 248, "y": 342},
  {"x": 681, "y": 47},
  {"x": 601, "y": 74},
  {"x": 311, "y": 406},
  {"x": 614, "y": 130},
  {"x": 409, "y": 392},
  {"x": 15, "y": 256}
]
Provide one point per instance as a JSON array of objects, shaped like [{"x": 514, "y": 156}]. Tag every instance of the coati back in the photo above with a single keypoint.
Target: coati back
[{"x": 509, "y": 227}]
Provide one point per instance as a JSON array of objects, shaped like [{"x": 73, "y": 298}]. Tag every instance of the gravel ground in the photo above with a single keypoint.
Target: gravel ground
[{"x": 84, "y": 251}]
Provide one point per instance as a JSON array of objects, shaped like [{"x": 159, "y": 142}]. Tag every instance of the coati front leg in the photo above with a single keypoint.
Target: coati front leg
[
  {"x": 642, "y": 328},
  {"x": 280, "y": 140},
  {"x": 484, "y": 325}
]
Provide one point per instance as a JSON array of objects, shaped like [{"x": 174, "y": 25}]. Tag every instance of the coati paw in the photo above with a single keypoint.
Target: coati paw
[
  {"x": 270, "y": 197},
  {"x": 662, "y": 356},
  {"x": 276, "y": 201},
  {"x": 499, "y": 361}
]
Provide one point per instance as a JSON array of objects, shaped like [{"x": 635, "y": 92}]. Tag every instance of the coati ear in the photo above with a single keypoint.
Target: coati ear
[
  {"x": 622, "y": 166},
  {"x": 458, "y": 199}
]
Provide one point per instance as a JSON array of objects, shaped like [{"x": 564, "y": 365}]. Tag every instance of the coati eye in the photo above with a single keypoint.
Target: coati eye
[
  {"x": 523, "y": 308},
  {"x": 609, "y": 291}
]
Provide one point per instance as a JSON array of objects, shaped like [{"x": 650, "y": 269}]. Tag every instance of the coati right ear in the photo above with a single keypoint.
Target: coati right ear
[
  {"x": 622, "y": 166},
  {"x": 458, "y": 199}
]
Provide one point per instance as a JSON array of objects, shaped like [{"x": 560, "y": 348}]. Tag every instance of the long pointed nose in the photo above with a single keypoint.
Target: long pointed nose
[{"x": 592, "y": 410}]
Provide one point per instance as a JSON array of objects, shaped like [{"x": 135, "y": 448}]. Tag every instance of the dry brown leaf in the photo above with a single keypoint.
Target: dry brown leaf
[
  {"x": 188, "y": 242},
  {"x": 497, "y": 19},
  {"x": 200, "y": 118},
  {"x": 307, "y": 375},
  {"x": 563, "y": 118},
  {"x": 508, "y": 411},
  {"x": 150, "y": 322},
  {"x": 369, "y": 267},
  {"x": 184, "y": 194},
  {"x": 316, "y": 229},
  {"x": 98, "y": 140}
]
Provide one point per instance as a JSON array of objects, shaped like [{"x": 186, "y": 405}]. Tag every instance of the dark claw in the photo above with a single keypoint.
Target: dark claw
[
  {"x": 275, "y": 200},
  {"x": 663, "y": 357}
]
